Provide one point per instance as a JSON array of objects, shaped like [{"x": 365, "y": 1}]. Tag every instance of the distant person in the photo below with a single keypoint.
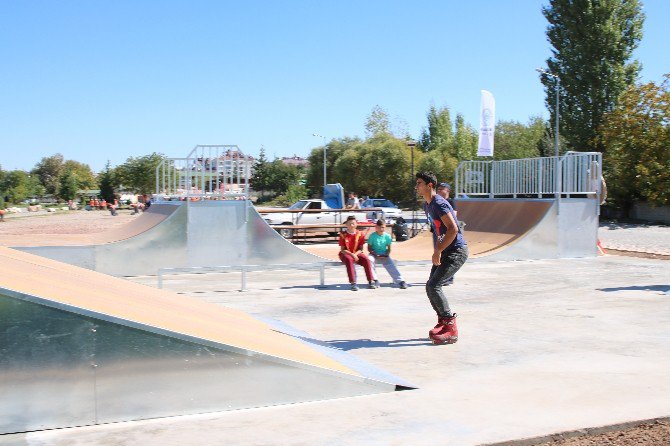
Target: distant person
[
  {"x": 379, "y": 247},
  {"x": 450, "y": 251},
  {"x": 351, "y": 253},
  {"x": 2, "y": 215},
  {"x": 352, "y": 202},
  {"x": 444, "y": 190}
]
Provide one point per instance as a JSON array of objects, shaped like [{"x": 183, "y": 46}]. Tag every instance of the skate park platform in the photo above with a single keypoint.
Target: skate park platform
[{"x": 545, "y": 346}]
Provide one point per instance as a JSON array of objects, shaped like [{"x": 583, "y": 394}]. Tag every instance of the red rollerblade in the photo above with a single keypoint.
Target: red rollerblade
[{"x": 445, "y": 332}]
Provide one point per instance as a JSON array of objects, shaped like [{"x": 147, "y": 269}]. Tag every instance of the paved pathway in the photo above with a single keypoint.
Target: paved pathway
[{"x": 647, "y": 238}]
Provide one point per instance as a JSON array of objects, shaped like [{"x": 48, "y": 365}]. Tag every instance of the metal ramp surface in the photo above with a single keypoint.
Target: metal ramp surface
[
  {"x": 79, "y": 347},
  {"x": 191, "y": 234}
]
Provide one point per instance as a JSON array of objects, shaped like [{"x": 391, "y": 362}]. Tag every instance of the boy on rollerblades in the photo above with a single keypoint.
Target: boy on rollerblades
[{"x": 450, "y": 251}]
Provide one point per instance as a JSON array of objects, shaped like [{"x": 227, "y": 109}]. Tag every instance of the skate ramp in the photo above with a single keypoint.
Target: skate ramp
[
  {"x": 512, "y": 229},
  {"x": 78, "y": 347},
  {"x": 140, "y": 224},
  {"x": 181, "y": 235}
]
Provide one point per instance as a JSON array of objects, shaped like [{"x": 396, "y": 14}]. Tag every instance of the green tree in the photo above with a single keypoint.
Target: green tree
[
  {"x": 294, "y": 193},
  {"x": 378, "y": 122},
  {"x": 637, "y": 136},
  {"x": 593, "y": 42},
  {"x": 17, "y": 185},
  {"x": 138, "y": 174},
  {"x": 281, "y": 176},
  {"x": 465, "y": 140},
  {"x": 69, "y": 185},
  {"x": 439, "y": 133},
  {"x": 107, "y": 183},
  {"x": 48, "y": 170},
  {"x": 334, "y": 149},
  {"x": 384, "y": 163},
  {"x": 260, "y": 180},
  {"x": 516, "y": 140},
  {"x": 85, "y": 177}
]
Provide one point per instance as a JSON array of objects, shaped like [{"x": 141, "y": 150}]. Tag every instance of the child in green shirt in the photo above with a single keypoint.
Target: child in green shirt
[{"x": 379, "y": 246}]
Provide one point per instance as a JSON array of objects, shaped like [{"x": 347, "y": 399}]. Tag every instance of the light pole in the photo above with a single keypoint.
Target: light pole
[
  {"x": 558, "y": 87},
  {"x": 411, "y": 144},
  {"x": 324, "y": 156}
]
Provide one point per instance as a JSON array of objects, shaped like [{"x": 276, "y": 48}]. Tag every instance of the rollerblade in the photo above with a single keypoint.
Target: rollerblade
[{"x": 445, "y": 332}]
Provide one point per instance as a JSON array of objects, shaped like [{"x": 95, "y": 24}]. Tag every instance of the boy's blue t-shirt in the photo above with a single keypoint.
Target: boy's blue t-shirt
[
  {"x": 434, "y": 211},
  {"x": 379, "y": 243}
]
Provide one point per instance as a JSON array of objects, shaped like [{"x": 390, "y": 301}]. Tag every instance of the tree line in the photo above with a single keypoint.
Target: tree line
[{"x": 63, "y": 180}]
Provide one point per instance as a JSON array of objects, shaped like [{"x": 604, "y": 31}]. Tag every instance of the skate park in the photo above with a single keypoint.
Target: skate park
[{"x": 549, "y": 340}]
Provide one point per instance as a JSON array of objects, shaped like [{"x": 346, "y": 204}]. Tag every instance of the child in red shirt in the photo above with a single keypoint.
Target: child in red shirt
[{"x": 351, "y": 252}]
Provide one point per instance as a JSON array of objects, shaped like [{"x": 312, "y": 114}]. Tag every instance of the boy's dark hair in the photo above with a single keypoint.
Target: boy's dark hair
[
  {"x": 351, "y": 217},
  {"x": 380, "y": 222},
  {"x": 427, "y": 177}
]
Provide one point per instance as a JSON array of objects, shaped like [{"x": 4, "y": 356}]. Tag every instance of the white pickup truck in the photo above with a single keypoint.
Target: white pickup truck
[{"x": 309, "y": 212}]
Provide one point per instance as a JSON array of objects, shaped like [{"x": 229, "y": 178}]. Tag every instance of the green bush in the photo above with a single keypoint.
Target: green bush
[{"x": 294, "y": 193}]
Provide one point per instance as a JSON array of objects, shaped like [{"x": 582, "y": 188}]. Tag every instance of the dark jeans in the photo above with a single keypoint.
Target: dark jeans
[{"x": 450, "y": 263}]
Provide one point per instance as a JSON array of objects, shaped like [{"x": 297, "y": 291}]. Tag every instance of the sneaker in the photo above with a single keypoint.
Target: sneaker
[
  {"x": 372, "y": 285},
  {"x": 377, "y": 283},
  {"x": 403, "y": 285},
  {"x": 354, "y": 287}
]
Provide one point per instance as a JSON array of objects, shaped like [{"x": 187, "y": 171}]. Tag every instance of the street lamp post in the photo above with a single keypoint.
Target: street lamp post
[
  {"x": 411, "y": 144},
  {"x": 558, "y": 87},
  {"x": 324, "y": 156}
]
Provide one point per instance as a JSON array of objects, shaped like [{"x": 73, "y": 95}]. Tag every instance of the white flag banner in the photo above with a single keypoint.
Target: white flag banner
[{"x": 487, "y": 124}]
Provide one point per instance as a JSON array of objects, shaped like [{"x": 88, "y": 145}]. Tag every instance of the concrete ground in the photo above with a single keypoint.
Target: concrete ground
[
  {"x": 635, "y": 237},
  {"x": 545, "y": 346}
]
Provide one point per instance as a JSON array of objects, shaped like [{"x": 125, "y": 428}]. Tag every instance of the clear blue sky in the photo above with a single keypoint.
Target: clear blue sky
[{"x": 98, "y": 80}]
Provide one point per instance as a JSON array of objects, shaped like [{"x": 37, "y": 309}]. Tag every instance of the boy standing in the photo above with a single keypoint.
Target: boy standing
[
  {"x": 450, "y": 251},
  {"x": 379, "y": 246},
  {"x": 351, "y": 252}
]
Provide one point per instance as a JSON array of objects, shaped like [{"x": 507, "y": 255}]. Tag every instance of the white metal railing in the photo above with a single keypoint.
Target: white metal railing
[
  {"x": 208, "y": 171},
  {"x": 575, "y": 173},
  {"x": 244, "y": 269}
]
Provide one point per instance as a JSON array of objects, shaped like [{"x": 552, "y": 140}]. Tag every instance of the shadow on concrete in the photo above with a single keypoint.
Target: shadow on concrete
[
  {"x": 353, "y": 344},
  {"x": 347, "y": 287},
  {"x": 661, "y": 288}
]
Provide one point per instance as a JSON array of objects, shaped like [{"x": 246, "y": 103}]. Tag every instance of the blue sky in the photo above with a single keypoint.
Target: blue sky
[{"x": 100, "y": 80}]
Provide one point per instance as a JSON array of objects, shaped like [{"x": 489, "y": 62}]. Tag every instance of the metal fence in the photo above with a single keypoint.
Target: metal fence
[
  {"x": 573, "y": 174},
  {"x": 208, "y": 171}
]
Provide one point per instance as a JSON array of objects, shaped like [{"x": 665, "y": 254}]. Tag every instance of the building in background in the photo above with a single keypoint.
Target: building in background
[{"x": 295, "y": 160}]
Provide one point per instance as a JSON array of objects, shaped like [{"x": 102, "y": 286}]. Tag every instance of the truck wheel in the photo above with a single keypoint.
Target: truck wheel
[{"x": 287, "y": 233}]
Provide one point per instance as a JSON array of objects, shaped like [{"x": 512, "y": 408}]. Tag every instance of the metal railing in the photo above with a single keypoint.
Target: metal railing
[
  {"x": 244, "y": 269},
  {"x": 575, "y": 173},
  {"x": 208, "y": 171}
]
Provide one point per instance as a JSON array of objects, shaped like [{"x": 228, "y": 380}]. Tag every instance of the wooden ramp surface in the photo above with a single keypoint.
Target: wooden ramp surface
[
  {"x": 106, "y": 295},
  {"x": 490, "y": 227}
]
